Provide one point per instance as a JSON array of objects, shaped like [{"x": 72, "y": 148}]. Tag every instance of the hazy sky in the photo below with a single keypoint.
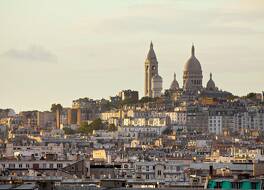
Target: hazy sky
[{"x": 59, "y": 50}]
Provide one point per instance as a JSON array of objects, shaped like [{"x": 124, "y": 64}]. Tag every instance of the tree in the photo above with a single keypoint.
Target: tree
[
  {"x": 86, "y": 128},
  {"x": 55, "y": 107},
  {"x": 251, "y": 95},
  {"x": 97, "y": 124},
  {"x": 68, "y": 131},
  {"x": 232, "y": 97},
  {"x": 146, "y": 99}
]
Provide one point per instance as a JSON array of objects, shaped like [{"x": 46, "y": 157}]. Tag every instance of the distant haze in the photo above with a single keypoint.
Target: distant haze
[{"x": 54, "y": 51}]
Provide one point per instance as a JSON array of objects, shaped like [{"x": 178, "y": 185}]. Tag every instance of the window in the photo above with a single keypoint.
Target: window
[
  {"x": 20, "y": 165},
  {"x": 147, "y": 176},
  {"x": 27, "y": 165},
  {"x": 51, "y": 166},
  {"x": 59, "y": 165}
]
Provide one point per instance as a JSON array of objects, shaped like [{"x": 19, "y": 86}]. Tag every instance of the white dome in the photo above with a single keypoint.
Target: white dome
[
  {"x": 210, "y": 84},
  {"x": 193, "y": 73},
  {"x": 193, "y": 65},
  {"x": 174, "y": 84}
]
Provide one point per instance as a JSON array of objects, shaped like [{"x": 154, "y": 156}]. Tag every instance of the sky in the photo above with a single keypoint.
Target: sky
[{"x": 54, "y": 51}]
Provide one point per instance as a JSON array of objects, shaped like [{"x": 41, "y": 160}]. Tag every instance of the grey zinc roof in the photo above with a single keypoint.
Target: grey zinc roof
[
  {"x": 6, "y": 186},
  {"x": 26, "y": 187}
]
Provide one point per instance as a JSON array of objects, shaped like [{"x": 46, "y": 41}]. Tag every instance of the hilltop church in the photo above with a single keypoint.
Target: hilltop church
[{"x": 192, "y": 80}]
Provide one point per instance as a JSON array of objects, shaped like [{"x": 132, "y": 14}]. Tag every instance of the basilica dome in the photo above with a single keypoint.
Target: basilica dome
[
  {"x": 192, "y": 73},
  {"x": 193, "y": 65}
]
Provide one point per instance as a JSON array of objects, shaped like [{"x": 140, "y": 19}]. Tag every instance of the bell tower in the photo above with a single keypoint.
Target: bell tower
[{"x": 151, "y": 69}]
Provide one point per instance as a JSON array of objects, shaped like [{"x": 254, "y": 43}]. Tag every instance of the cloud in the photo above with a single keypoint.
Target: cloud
[
  {"x": 33, "y": 53},
  {"x": 178, "y": 18}
]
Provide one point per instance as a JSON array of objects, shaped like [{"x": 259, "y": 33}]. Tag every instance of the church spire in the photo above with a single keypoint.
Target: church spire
[
  {"x": 210, "y": 76},
  {"x": 151, "y": 45},
  {"x": 174, "y": 76},
  {"x": 193, "y": 50},
  {"x": 151, "y": 54}
]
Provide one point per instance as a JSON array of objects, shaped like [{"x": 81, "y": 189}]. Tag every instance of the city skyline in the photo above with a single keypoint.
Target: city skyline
[
  {"x": 96, "y": 53},
  {"x": 131, "y": 94}
]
